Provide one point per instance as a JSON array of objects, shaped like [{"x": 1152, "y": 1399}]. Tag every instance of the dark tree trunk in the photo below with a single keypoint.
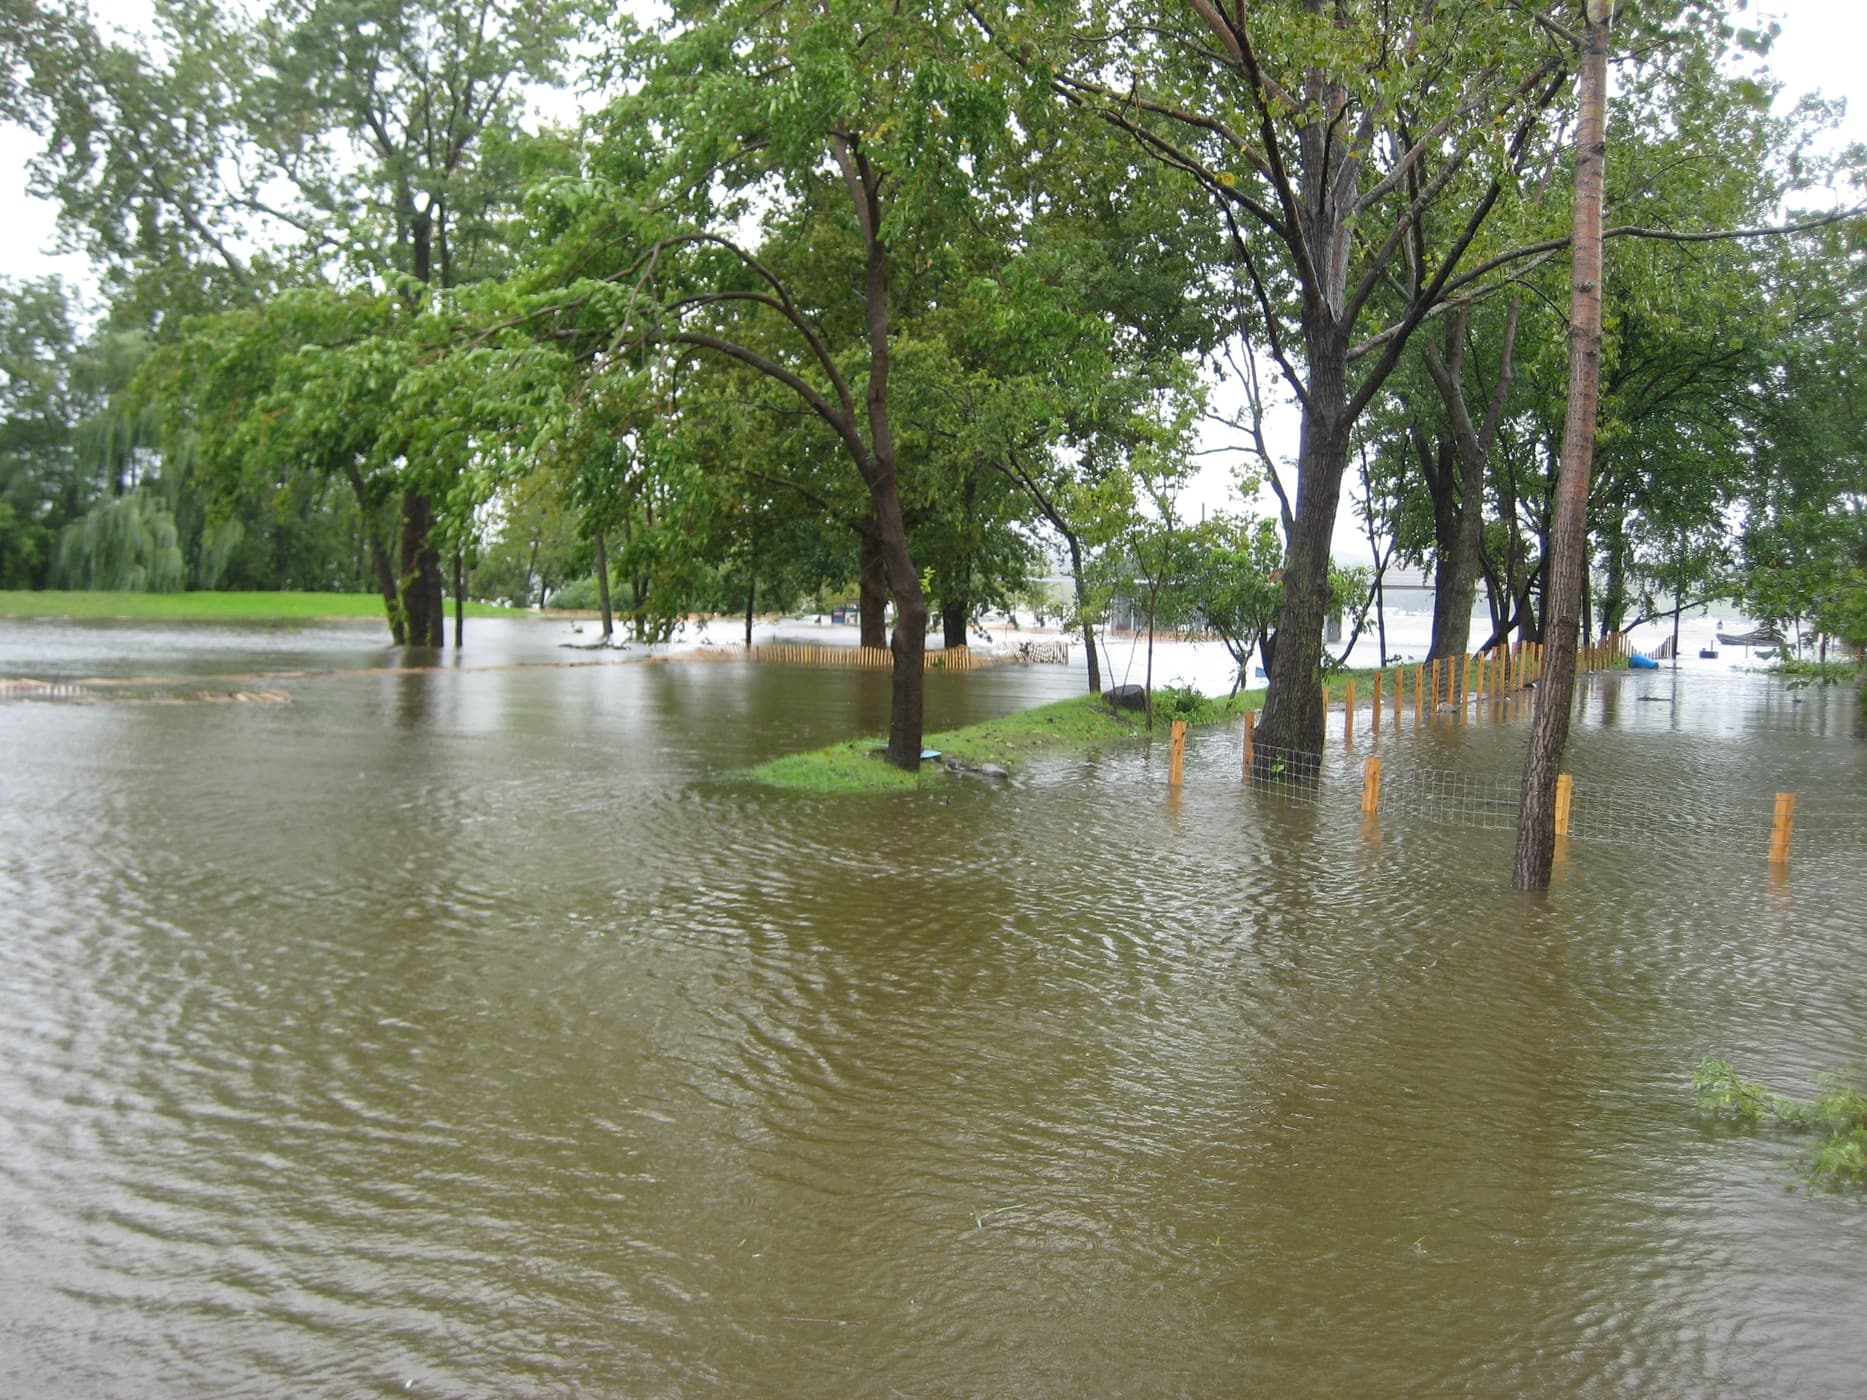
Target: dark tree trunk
[
  {"x": 422, "y": 601},
  {"x": 1549, "y": 730},
  {"x": 1614, "y": 600},
  {"x": 872, "y": 600},
  {"x": 460, "y": 597},
  {"x": 379, "y": 559},
  {"x": 602, "y": 587},
  {"x": 1292, "y": 718},
  {"x": 1458, "y": 505},
  {"x": 953, "y": 613},
  {"x": 1082, "y": 609}
]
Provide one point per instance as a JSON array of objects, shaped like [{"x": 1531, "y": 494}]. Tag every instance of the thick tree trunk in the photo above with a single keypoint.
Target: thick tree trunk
[
  {"x": 1292, "y": 718},
  {"x": 422, "y": 602},
  {"x": 872, "y": 599},
  {"x": 1549, "y": 730},
  {"x": 909, "y": 643},
  {"x": 953, "y": 614}
]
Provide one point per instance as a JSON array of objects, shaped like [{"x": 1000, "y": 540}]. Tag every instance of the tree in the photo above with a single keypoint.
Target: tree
[
  {"x": 1549, "y": 731},
  {"x": 1233, "y": 580},
  {"x": 375, "y": 140},
  {"x": 1332, "y": 143},
  {"x": 852, "y": 120}
]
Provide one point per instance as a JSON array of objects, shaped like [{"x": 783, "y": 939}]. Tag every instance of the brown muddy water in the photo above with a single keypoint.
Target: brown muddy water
[{"x": 479, "y": 1033}]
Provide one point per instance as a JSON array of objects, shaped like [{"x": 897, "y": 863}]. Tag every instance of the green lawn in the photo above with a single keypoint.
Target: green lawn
[
  {"x": 209, "y": 607},
  {"x": 1082, "y": 721}
]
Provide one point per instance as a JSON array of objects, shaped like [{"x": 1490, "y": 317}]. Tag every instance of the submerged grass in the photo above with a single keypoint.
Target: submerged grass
[
  {"x": 1082, "y": 721},
  {"x": 208, "y": 606}
]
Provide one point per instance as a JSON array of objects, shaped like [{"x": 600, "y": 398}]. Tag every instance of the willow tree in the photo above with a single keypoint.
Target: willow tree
[{"x": 336, "y": 142}]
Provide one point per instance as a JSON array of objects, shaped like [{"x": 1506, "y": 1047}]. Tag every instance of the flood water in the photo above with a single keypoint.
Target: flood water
[{"x": 478, "y": 1032}]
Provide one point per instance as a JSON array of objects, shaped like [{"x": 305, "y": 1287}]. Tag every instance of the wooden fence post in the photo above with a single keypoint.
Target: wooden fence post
[
  {"x": 1348, "y": 713},
  {"x": 1176, "y": 764},
  {"x": 1783, "y": 828},
  {"x": 1419, "y": 695},
  {"x": 1565, "y": 797},
  {"x": 1370, "y": 785},
  {"x": 1248, "y": 718},
  {"x": 1374, "y": 705}
]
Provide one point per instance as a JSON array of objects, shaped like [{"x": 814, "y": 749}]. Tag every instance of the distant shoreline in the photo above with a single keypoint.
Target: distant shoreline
[{"x": 210, "y": 607}]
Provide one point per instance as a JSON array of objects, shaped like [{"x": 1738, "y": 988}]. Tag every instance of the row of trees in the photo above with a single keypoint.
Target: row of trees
[{"x": 847, "y": 294}]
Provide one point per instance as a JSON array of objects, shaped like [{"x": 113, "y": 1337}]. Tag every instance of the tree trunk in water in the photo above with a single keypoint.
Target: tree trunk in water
[
  {"x": 1549, "y": 730},
  {"x": 953, "y": 612},
  {"x": 751, "y": 604},
  {"x": 872, "y": 600},
  {"x": 422, "y": 602},
  {"x": 379, "y": 560},
  {"x": 1292, "y": 718},
  {"x": 1082, "y": 610},
  {"x": 460, "y": 597},
  {"x": 1614, "y": 601},
  {"x": 602, "y": 587}
]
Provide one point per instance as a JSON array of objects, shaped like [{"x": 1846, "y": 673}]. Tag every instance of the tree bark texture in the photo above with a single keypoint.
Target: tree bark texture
[
  {"x": 1082, "y": 610},
  {"x": 872, "y": 591},
  {"x": 1549, "y": 729},
  {"x": 1292, "y": 718},
  {"x": 1458, "y": 501},
  {"x": 422, "y": 601},
  {"x": 602, "y": 587}
]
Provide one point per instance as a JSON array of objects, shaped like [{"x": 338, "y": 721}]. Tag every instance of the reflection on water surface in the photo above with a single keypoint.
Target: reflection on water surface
[{"x": 479, "y": 1032}]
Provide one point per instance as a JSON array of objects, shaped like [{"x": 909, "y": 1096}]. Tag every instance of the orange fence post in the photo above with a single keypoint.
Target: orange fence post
[
  {"x": 1370, "y": 785},
  {"x": 1419, "y": 695},
  {"x": 1176, "y": 763},
  {"x": 1400, "y": 686},
  {"x": 1783, "y": 829},
  {"x": 1565, "y": 797},
  {"x": 1348, "y": 713},
  {"x": 1375, "y": 704}
]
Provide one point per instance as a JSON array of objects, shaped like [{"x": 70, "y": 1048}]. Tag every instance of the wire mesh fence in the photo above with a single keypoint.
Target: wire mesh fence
[{"x": 1387, "y": 787}]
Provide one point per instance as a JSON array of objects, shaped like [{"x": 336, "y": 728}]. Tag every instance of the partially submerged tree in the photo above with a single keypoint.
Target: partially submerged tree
[
  {"x": 1330, "y": 140},
  {"x": 1555, "y": 696}
]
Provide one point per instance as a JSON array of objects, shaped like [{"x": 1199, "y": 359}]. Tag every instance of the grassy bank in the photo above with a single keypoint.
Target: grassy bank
[
  {"x": 1083, "y": 721},
  {"x": 210, "y": 607}
]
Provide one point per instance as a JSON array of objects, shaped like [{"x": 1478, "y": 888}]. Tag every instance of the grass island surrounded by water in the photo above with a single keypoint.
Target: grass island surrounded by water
[{"x": 855, "y": 765}]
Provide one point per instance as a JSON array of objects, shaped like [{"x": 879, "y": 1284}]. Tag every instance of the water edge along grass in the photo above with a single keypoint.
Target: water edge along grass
[
  {"x": 209, "y": 606},
  {"x": 1083, "y": 721}
]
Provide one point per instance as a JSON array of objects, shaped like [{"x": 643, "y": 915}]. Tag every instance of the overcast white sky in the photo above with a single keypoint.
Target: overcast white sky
[{"x": 1820, "y": 48}]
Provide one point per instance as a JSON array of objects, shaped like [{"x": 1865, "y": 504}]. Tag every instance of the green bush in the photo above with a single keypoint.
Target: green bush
[
  {"x": 1837, "y": 1113},
  {"x": 579, "y": 595}
]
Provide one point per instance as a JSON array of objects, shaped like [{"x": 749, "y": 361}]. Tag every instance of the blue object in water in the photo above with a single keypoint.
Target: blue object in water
[{"x": 1642, "y": 663}]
